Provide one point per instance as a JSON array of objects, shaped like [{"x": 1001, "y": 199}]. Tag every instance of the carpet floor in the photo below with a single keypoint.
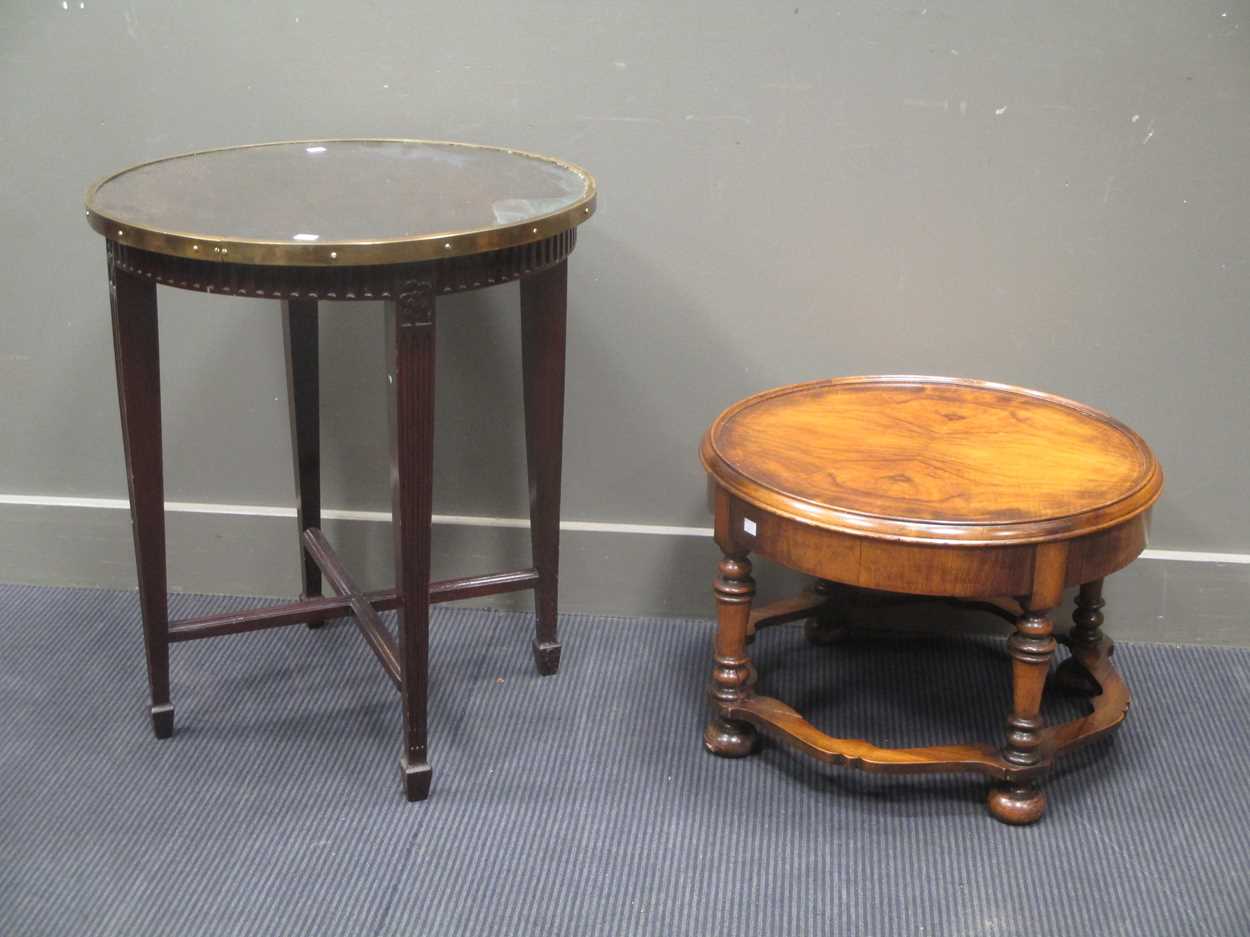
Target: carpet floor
[{"x": 584, "y": 804}]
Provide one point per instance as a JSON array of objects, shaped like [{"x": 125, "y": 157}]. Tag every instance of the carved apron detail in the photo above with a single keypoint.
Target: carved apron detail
[{"x": 415, "y": 303}]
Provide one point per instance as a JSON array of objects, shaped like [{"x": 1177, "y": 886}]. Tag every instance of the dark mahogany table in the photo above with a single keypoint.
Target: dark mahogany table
[
  {"x": 921, "y": 486},
  {"x": 402, "y": 221}
]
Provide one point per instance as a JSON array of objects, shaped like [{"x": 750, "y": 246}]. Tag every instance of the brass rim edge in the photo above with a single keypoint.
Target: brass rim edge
[{"x": 447, "y": 244}]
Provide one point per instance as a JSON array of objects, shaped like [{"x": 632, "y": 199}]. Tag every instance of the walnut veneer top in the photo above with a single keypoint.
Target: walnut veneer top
[{"x": 930, "y": 458}]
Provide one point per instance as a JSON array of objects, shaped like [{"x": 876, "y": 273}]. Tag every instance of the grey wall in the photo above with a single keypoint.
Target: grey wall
[{"x": 1045, "y": 194}]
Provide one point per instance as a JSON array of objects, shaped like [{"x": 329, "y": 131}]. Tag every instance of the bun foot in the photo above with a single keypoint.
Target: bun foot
[
  {"x": 1072, "y": 677},
  {"x": 546, "y": 657},
  {"x": 417, "y": 778},
  {"x": 1016, "y": 804},
  {"x": 729, "y": 739},
  {"x": 162, "y": 720}
]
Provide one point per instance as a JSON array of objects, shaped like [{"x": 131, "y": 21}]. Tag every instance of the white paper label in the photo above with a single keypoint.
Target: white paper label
[{"x": 748, "y": 525}]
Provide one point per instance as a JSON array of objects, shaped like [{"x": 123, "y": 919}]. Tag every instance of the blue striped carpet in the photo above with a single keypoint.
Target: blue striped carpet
[{"x": 584, "y": 803}]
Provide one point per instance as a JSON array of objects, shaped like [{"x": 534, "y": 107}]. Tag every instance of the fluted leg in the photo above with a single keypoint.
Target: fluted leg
[
  {"x": 137, "y": 354},
  {"x": 410, "y": 332},
  {"x": 1031, "y": 649},
  {"x": 543, "y": 316},
  {"x": 731, "y": 676},
  {"x": 299, "y": 327}
]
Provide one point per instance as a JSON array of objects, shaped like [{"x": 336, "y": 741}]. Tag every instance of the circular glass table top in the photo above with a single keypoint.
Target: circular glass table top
[{"x": 340, "y": 202}]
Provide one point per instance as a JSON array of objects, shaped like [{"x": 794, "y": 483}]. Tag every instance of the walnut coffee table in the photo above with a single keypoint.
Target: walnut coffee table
[
  {"x": 938, "y": 487},
  {"x": 401, "y": 221}
]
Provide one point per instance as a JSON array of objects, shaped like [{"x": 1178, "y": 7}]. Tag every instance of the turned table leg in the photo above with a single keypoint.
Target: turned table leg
[
  {"x": 544, "y": 303},
  {"x": 1031, "y": 649},
  {"x": 137, "y": 353},
  {"x": 410, "y": 333},
  {"x": 828, "y": 625},
  {"x": 1085, "y": 637},
  {"x": 731, "y": 677},
  {"x": 299, "y": 327}
]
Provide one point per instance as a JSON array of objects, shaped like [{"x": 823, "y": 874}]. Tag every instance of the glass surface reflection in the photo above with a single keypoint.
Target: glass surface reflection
[{"x": 352, "y": 190}]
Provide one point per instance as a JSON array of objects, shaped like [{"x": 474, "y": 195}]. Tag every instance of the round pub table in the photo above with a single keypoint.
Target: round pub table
[
  {"x": 401, "y": 221},
  {"x": 927, "y": 486}
]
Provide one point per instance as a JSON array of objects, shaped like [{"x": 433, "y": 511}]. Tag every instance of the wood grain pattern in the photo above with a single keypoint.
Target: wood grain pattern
[
  {"x": 732, "y": 674},
  {"x": 785, "y": 610},
  {"x": 782, "y": 722},
  {"x": 932, "y": 487},
  {"x": 1100, "y": 554},
  {"x": 1110, "y": 702},
  {"x": 932, "y": 458}
]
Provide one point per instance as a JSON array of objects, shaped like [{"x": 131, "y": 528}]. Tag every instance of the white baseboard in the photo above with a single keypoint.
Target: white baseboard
[
  {"x": 342, "y": 514},
  {"x": 1182, "y": 596},
  {"x": 471, "y": 520}
]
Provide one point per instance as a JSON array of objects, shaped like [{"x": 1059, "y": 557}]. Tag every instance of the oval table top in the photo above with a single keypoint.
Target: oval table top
[
  {"x": 929, "y": 458},
  {"x": 340, "y": 202}
]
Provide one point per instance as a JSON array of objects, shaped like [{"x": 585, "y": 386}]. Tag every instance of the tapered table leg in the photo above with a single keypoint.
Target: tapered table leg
[
  {"x": 137, "y": 353},
  {"x": 544, "y": 303},
  {"x": 410, "y": 334},
  {"x": 299, "y": 326}
]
